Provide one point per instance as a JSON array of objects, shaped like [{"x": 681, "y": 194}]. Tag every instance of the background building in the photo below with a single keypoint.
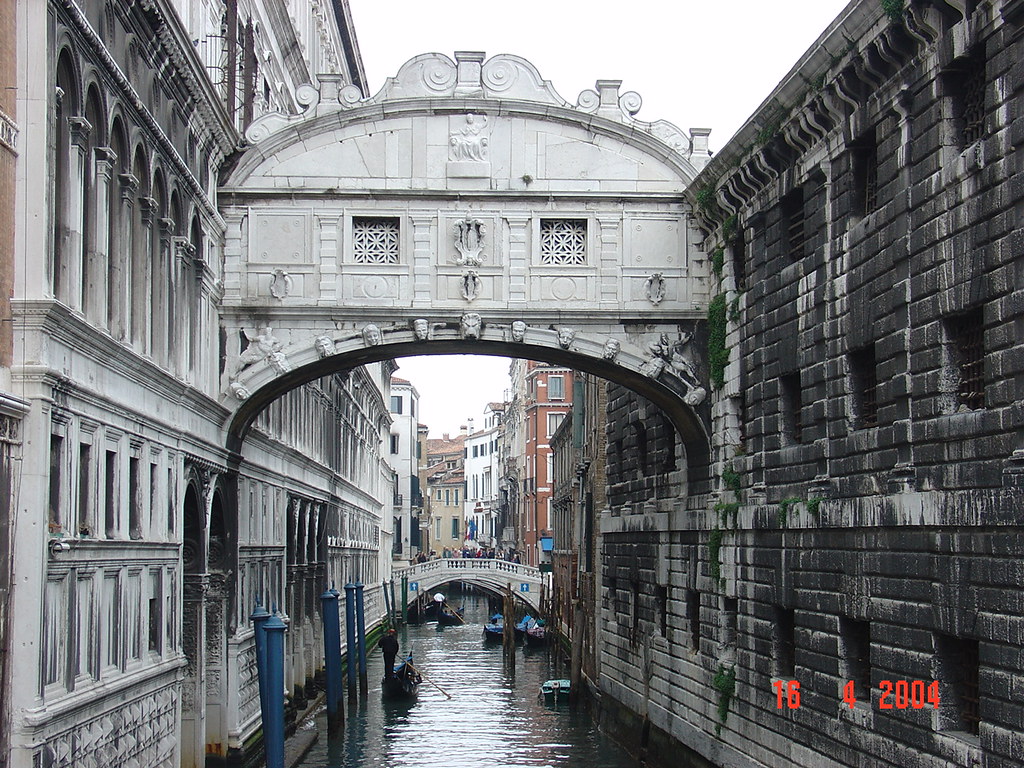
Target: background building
[
  {"x": 444, "y": 494},
  {"x": 403, "y": 452},
  {"x": 483, "y": 469}
]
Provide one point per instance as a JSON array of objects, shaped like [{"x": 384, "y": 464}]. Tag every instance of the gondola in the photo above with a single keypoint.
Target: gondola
[
  {"x": 523, "y": 625},
  {"x": 494, "y": 630},
  {"x": 537, "y": 635},
  {"x": 447, "y": 616},
  {"x": 403, "y": 683}
]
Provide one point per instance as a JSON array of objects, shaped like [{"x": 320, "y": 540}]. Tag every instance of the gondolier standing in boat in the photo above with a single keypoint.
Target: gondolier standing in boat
[{"x": 389, "y": 645}]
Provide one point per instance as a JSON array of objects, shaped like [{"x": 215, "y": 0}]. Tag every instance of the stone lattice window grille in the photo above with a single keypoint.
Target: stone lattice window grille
[
  {"x": 376, "y": 239},
  {"x": 958, "y": 672},
  {"x": 563, "y": 241}
]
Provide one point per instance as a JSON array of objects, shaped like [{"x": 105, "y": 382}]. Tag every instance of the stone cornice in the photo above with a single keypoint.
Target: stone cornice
[{"x": 64, "y": 326}]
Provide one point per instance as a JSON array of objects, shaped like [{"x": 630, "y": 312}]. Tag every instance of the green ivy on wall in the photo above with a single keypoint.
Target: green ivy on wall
[
  {"x": 718, "y": 353},
  {"x": 724, "y": 682}
]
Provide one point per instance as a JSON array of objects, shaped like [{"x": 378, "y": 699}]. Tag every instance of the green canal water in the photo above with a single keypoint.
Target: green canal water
[{"x": 494, "y": 718}]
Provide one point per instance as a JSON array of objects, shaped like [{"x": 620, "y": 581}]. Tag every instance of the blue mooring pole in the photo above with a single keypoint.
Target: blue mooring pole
[
  {"x": 259, "y": 618},
  {"x": 405, "y": 599},
  {"x": 361, "y": 639},
  {"x": 332, "y": 656},
  {"x": 273, "y": 725},
  {"x": 350, "y": 638}
]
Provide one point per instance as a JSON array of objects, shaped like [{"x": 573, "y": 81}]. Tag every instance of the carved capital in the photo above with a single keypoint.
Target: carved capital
[
  {"x": 147, "y": 205},
  {"x": 80, "y": 129},
  {"x": 129, "y": 187}
]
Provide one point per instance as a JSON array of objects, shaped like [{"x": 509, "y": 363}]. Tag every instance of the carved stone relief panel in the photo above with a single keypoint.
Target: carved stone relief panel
[
  {"x": 654, "y": 242},
  {"x": 280, "y": 238}
]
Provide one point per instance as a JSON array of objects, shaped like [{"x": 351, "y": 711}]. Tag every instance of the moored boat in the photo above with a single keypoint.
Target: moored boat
[
  {"x": 527, "y": 622},
  {"x": 403, "y": 682},
  {"x": 494, "y": 630},
  {"x": 555, "y": 690},
  {"x": 537, "y": 634}
]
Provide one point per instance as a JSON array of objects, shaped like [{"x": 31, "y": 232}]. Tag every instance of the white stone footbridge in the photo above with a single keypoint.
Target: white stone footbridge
[{"x": 526, "y": 583}]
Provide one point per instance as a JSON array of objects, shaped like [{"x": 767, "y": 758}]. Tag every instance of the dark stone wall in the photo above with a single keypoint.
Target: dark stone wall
[{"x": 866, "y": 521}]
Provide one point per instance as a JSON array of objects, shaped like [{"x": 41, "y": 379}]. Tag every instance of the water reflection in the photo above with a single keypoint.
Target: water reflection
[{"x": 494, "y": 716}]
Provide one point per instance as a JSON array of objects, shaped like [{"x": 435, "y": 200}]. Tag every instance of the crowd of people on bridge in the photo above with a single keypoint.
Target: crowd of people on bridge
[{"x": 511, "y": 555}]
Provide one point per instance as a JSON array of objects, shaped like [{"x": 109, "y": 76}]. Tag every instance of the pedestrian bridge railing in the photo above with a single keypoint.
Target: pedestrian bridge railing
[{"x": 527, "y": 583}]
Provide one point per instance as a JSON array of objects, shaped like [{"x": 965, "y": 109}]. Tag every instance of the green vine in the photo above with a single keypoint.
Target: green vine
[
  {"x": 718, "y": 261},
  {"x": 784, "y": 506},
  {"x": 718, "y": 353},
  {"x": 705, "y": 198},
  {"x": 726, "y": 511},
  {"x": 813, "y": 507},
  {"x": 729, "y": 228},
  {"x": 724, "y": 682},
  {"x": 734, "y": 309},
  {"x": 894, "y": 9},
  {"x": 731, "y": 479},
  {"x": 715, "y": 553}
]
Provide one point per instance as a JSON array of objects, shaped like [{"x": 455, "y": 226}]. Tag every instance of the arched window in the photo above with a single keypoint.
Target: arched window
[
  {"x": 65, "y": 107},
  {"x": 159, "y": 235},
  {"x": 138, "y": 283},
  {"x": 118, "y": 241},
  {"x": 95, "y": 250}
]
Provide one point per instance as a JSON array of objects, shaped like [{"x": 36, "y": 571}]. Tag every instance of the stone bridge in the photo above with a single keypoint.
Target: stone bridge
[
  {"x": 525, "y": 581},
  {"x": 465, "y": 208}
]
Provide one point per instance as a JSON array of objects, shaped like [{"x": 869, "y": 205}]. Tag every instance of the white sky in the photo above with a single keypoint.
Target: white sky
[{"x": 696, "y": 64}]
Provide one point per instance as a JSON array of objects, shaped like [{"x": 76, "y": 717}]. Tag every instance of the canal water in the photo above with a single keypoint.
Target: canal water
[{"x": 494, "y": 719}]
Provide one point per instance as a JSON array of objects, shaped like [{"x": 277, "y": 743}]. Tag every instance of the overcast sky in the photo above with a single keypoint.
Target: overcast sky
[{"x": 695, "y": 64}]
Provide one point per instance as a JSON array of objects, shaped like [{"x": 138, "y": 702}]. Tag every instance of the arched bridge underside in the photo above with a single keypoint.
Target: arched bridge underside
[
  {"x": 524, "y": 581},
  {"x": 466, "y": 208}
]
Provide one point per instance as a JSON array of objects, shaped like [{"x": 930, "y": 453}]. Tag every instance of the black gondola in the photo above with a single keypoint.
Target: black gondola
[
  {"x": 494, "y": 631},
  {"x": 403, "y": 682},
  {"x": 448, "y": 616}
]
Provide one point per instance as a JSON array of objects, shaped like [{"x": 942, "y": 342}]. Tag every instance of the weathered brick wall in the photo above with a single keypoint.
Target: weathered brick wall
[{"x": 870, "y": 235}]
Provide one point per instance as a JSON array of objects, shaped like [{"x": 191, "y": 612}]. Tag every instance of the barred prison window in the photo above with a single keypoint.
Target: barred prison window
[
  {"x": 855, "y": 642},
  {"x": 864, "y": 384},
  {"x": 864, "y": 153},
  {"x": 693, "y": 617},
  {"x": 967, "y": 88},
  {"x": 965, "y": 359},
  {"x": 958, "y": 672},
  {"x": 563, "y": 241},
  {"x": 784, "y": 642},
  {"x": 794, "y": 235},
  {"x": 375, "y": 240},
  {"x": 791, "y": 403}
]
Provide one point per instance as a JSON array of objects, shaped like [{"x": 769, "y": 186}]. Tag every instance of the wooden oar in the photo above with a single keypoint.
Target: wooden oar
[
  {"x": 442, "y": 690},
  {"x": 456, "y": 613}
]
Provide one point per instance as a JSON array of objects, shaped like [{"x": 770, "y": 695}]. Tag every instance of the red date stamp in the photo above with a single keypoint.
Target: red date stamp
[{"x": 899, "y": 694}]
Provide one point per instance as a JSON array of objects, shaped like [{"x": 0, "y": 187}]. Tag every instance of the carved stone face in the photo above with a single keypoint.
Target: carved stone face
[
  {"x": 324, "y": 346},
  {"x": 421, "y": 328},
  {"x": 518, "y": 330},
  {"x": 611, "y": 349},
  {"x": 471, "y": 322},
  {"x": 372, "y": 335},
  {"x": 565, "y": 337}
]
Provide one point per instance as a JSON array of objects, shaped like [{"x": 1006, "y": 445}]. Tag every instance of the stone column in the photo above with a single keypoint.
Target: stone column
[
  {"x": 98, "y": 251},
  {"x": 610, "y": 269},
  {"x": 78, "y": 167},
  {"x": 193, "y": 689},
  {"x": 162, "y": 290},
  {"x": 142, "y": 257},
  {"x": 423, "y": 273},
  {"x": 518, "y": 258},
  {"x": 181, "y": 310},
  {"x": 119, "y": 288},
  {"x": 328, "y": 258}
]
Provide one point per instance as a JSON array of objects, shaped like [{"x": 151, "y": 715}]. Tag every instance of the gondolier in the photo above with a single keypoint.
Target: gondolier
[{"x": 389, "y": 646}]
